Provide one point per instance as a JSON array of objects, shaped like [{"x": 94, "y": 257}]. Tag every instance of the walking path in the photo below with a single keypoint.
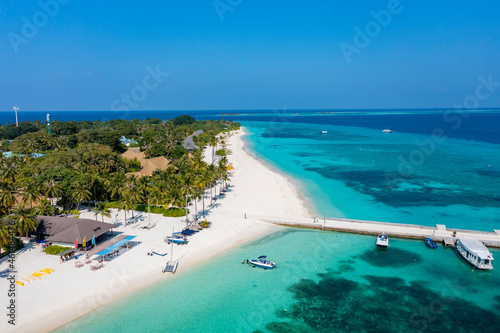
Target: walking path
[{"x": 439, "y": 233}]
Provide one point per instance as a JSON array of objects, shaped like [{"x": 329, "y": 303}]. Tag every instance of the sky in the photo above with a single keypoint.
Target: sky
[{"x": 74, "y": 55}]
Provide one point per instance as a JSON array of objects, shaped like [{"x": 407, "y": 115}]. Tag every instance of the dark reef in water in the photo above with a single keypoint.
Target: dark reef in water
[
  {"x": 385, "y": 189},
  {"x": 384, "y": 304},
  {"x": 393, "y": 257}
]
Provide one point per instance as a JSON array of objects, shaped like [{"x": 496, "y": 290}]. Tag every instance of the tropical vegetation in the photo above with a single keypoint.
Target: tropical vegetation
[{"x": 81, "y": 166}]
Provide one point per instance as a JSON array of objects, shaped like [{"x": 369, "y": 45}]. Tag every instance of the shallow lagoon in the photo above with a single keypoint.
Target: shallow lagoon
[{"x": 326, "y": 281}]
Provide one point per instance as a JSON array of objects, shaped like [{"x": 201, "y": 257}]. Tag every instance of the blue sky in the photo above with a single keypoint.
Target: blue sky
[{"x": 246, "y": 54}]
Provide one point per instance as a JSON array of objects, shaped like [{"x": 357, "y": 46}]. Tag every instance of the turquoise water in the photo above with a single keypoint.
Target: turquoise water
[
  {"x": 326, "y": 281},
  {"x": 337, "y": 282},
  {"x": 362, "y": 173}
]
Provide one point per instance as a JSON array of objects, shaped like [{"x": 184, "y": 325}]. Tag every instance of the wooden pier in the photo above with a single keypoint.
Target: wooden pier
[{"x": 440, "y": 233}]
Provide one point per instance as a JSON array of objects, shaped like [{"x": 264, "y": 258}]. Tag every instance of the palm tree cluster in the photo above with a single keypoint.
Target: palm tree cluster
[{"x": 96, "y": 173}]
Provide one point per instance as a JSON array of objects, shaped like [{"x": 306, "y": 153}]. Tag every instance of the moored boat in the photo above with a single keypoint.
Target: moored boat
[
  {"x": 387, "y": 131},
  {"x": 430, "y": 243},
  {"x": 382, "y": 240},
  {"x": 261, "y": 262},
  {"x": 475, "y": 252}
]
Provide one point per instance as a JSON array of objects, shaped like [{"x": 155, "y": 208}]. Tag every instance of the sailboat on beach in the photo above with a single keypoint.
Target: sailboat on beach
[{"x": 171, "y": 265}]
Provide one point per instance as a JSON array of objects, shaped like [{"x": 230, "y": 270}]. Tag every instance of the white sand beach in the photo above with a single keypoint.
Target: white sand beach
[{"x": 71, "y": 292}]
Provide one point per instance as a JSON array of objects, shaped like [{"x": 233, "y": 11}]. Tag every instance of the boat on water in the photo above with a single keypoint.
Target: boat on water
[
  {"x": 430, "y": 243},
  {"x": 475, "y": 252},
  {"x": 387, "y": 131},
  {"x": 382, "y": 240},
  {"x": 323, "y": 132},
  {"x": 261, "y": 262}
]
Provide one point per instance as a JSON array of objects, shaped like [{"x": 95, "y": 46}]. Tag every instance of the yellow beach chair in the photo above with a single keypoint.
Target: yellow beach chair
[
  {"x": 19, "y": 283},
  {"x": 45, "y": 271},
  {"x": 37, "y": 274},
  {"x": 49, "y": 270}
]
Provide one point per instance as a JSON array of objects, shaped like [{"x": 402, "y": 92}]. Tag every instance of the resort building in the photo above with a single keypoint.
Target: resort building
[{"x": 66, "y": 231}]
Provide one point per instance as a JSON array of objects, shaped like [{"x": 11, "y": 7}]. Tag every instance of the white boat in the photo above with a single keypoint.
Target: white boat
[
  {"x": 323, "y": 132},
  {"x": 387, "y": 131},
  {"x": 159, "y": 253},
  {"x": 261, "y": 262},
  {"x": 382, "y": 240},
  {"x": 475, "y": 252}
]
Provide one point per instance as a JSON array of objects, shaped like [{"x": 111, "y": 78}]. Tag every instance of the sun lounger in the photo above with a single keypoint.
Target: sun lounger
[
  {"x": 88, "y": 261},
  {"x": 37, "y": 274},
  {"x": 96, "y": 267},
  {"x": 19, "y": 283},
  {"x": 50, "y": 270},
  {"x": 32, "y": 277},
  {"x": 78, "y": 264},
  {"x": 45, "y": 271}
]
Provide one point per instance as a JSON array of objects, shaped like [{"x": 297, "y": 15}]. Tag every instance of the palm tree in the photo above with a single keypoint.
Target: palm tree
[
  {"x": 30, "y": 193},
  {"x": 44, "y": 208},
  {"x": 125, "y": 205},
  {"x": 80, "y": 193},
  {"x": 5, "y": 232},
  {"x": 102, "y": 209},
  {"x": 212, "y": 141},
  {"x": 23, "y": 220},
  {"x": 7, "y": 195}
]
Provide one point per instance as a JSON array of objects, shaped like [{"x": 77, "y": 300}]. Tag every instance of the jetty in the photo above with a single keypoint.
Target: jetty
[{"x": 439, "y": 233}]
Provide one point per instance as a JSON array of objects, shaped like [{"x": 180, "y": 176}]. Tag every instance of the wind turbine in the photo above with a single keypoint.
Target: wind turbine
[{"x": 16, "y": 108}]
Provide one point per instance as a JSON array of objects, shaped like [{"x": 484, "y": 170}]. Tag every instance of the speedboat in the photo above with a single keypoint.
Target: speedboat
[
  {"x": 261, "y": 262},
  {"x": 475, "y": 252},
  {"x": 382, "y": 240},
  {"x": 430, "y": 243},
  {"x": 387, "y": 131},
  {"x": 323, "y": 132},
  {"x": 177, "y": 239}
]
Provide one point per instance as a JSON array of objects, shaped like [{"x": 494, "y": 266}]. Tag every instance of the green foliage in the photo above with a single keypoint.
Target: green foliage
[
  {"x": 184, "y": 120},
  {"x": 56, "y": 249},
  {"x": 18, "y": 244},
  {"x": 205, "y": 224},
  {"x": 64, "y": 128},
  {"x": 175, "y": 212},
  {"x": 178, "y": 152},
  {"x": 144, "y": 208},
  {"x": 133, "y": 165},
  {"x": 221, "y": 152}
]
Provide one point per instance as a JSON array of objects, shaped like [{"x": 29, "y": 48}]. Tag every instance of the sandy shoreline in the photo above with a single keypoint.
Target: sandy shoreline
[{"x": 71, "y": 292}]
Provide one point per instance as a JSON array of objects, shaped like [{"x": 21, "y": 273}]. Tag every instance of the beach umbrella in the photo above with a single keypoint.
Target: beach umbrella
[
  {"x": 84, "y": 243},
  {"x": 76, "y": 243},
  {"x": 93, "y": 240}
]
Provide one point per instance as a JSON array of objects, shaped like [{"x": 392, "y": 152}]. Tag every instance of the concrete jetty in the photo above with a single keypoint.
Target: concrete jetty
[{"x": 440, "y": 233}]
